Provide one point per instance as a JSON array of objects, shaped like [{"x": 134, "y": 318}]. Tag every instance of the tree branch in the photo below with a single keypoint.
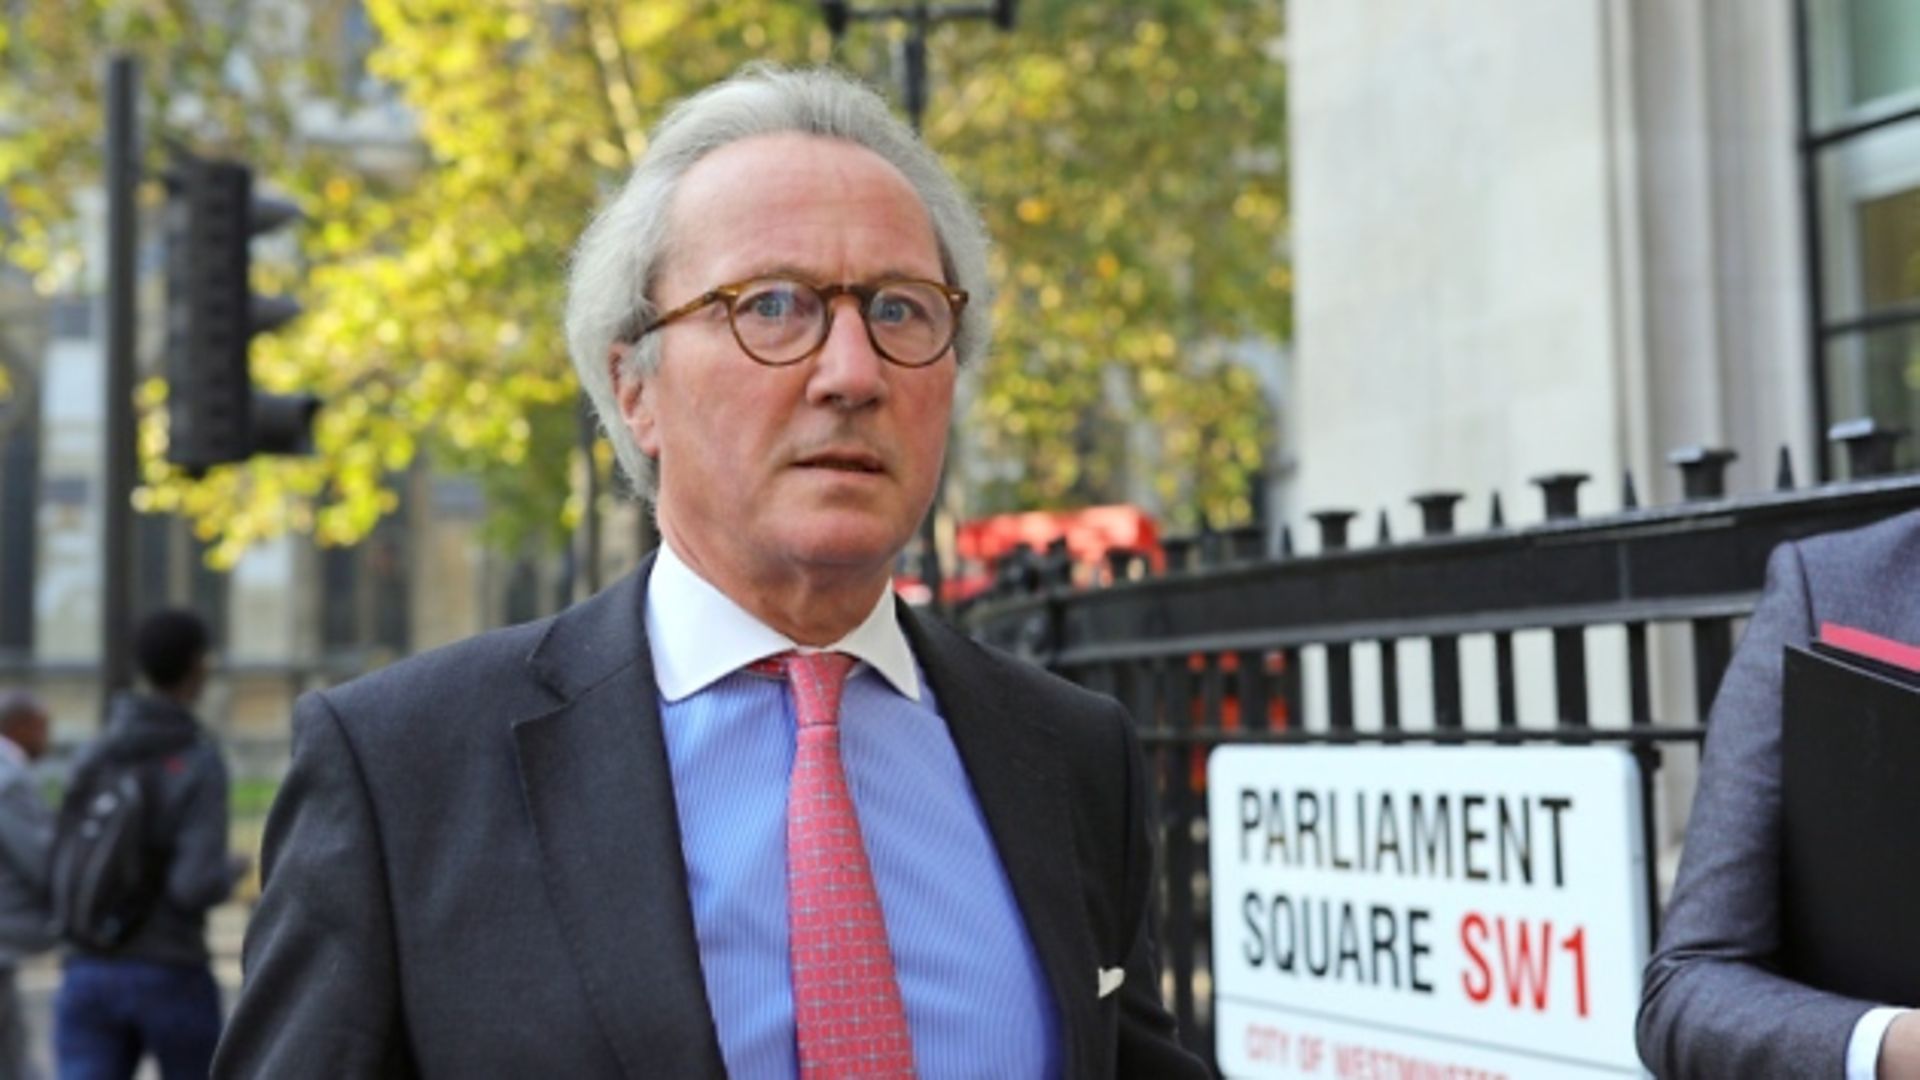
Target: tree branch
[{"x": 616, "y": 79}]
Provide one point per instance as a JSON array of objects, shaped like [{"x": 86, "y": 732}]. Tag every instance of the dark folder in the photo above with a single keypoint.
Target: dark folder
[{"x": 1850, "y": 784}]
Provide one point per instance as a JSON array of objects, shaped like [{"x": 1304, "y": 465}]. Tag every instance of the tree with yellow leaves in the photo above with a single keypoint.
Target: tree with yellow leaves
[{"x": 1128, "y": 159}]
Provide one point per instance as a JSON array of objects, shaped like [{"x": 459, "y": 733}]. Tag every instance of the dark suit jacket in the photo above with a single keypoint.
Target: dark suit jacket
[
  {"x": 1712, "y": 1003},
  {"x": 474, "y": 866}
]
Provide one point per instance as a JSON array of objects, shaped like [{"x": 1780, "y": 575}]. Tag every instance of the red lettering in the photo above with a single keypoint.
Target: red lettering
[
  {"x": 1517, "y": 961},
  {"x": 1266, "y": 1043},
  {"x": 1473, "y": 934},
  {"x": 1352, "y": 1061},
  {"x": 1576, "y": 944}
]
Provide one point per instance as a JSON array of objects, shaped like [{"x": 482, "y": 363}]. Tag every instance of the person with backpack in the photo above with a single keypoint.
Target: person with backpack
[
  {"x": 140, "y": 858},
  {"x": 26, "y": 836}
]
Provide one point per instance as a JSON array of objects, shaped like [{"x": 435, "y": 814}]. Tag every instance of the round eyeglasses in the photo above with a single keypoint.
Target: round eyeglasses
[{"x": 783, "y": 320}]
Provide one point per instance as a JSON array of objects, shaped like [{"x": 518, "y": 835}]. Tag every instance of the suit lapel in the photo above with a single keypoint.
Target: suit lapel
[
  {"x": 1013, "y": 761},
  {"x": 599, "y": 792}
]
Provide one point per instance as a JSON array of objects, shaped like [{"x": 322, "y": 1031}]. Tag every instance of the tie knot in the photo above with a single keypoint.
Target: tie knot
[{"x": 817, "y": 680}]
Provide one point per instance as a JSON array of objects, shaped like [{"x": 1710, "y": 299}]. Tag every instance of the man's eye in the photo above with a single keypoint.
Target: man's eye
[
  {"x": 897, "y": 309},
  {"x": 770, "y": 305}
]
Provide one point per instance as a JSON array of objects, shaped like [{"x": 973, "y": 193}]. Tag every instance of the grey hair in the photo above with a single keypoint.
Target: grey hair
[{"x": 621, "y": 254}]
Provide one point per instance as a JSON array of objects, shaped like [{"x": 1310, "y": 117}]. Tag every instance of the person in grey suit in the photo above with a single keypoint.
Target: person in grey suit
[
  {"x": 26, "y": 838},
  {"x": 1714, "y": 1002},
  {"x": 565, "y": 848}
]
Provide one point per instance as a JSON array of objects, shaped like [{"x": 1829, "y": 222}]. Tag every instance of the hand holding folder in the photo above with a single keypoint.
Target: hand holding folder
[{"x": 1851, "y": 794}]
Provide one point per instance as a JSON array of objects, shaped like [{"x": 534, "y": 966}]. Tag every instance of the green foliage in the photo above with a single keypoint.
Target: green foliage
[{"x": 1127, "y": 158}]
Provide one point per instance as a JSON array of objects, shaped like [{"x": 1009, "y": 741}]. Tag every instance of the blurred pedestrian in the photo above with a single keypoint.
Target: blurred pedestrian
[
  {"x": 26, "y": 834},
  {"x": 153, "y": 992}
]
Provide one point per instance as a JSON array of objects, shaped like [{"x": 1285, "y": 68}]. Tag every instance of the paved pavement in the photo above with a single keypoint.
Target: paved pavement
[{"x": 40, "y": 980}]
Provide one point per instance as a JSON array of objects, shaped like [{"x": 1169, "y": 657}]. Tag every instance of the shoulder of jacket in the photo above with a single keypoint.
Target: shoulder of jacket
[
  {"x": 477, "y": 660},
  {"x": 1894, "y": 541}
]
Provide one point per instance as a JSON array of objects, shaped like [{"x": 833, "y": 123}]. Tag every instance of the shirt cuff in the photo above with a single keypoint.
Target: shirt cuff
[{"x": 1863, "y": 1049}]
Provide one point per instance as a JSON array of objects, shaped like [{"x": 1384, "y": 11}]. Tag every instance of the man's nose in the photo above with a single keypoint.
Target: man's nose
[{"x": 847, "y": 372}]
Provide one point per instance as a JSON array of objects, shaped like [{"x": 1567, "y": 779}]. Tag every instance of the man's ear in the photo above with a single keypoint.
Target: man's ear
[{"x": 633, "y": 391}]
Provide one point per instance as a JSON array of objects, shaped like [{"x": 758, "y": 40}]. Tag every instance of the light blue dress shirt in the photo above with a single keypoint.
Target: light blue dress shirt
[{"x": 976, "y": 998}]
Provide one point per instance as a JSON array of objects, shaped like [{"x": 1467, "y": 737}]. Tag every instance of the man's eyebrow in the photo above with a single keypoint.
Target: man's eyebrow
[{"x": 790, "y": 270}]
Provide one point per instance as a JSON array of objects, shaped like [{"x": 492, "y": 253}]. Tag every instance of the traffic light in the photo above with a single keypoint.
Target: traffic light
[{"x": 215, "y": 415}]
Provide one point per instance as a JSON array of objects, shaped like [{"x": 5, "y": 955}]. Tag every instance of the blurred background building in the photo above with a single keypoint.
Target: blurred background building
[
  {"x": 1580, "y": 235},
  {"x": 1526, "y": 237}
]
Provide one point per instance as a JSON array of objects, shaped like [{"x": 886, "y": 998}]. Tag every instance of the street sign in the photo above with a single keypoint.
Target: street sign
[{"x": 1406, "y": 911}]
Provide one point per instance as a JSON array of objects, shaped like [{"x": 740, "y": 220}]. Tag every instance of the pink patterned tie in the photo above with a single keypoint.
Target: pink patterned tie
[{"x": 846, "y": 1003}]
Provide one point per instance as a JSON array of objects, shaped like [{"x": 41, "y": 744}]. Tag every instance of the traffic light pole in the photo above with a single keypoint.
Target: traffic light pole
[{"x": 123, "y": 230}]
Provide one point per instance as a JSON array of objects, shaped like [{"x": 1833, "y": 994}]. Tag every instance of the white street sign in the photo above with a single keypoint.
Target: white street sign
[{"x": 1459, "y": 913}]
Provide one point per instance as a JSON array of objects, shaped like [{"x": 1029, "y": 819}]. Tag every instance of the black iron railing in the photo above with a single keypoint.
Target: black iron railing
[{"x": 1214, "y": 654}]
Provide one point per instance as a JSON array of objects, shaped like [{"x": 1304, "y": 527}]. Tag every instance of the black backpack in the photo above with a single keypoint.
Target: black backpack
[{"x": 108, "y": 870}]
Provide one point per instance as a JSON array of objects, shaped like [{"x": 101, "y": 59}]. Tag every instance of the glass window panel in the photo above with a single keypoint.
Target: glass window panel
[
  {"x": 1890, "y": 249},
  {"x": 1869, "y": 190},
  {"x": 261, "y": 626},
  {"x": 1877, "y": 374},
  {"x": 1883, "y": 45}
]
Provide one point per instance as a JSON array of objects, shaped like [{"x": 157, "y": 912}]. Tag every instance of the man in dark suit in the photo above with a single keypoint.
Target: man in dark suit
[
  {"x": 742, "y": 813},
  {"x": 1714, "y": 1002}
]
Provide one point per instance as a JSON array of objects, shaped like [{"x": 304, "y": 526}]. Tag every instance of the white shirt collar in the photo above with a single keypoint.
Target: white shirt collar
[{"x": 698, "y": 635}]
